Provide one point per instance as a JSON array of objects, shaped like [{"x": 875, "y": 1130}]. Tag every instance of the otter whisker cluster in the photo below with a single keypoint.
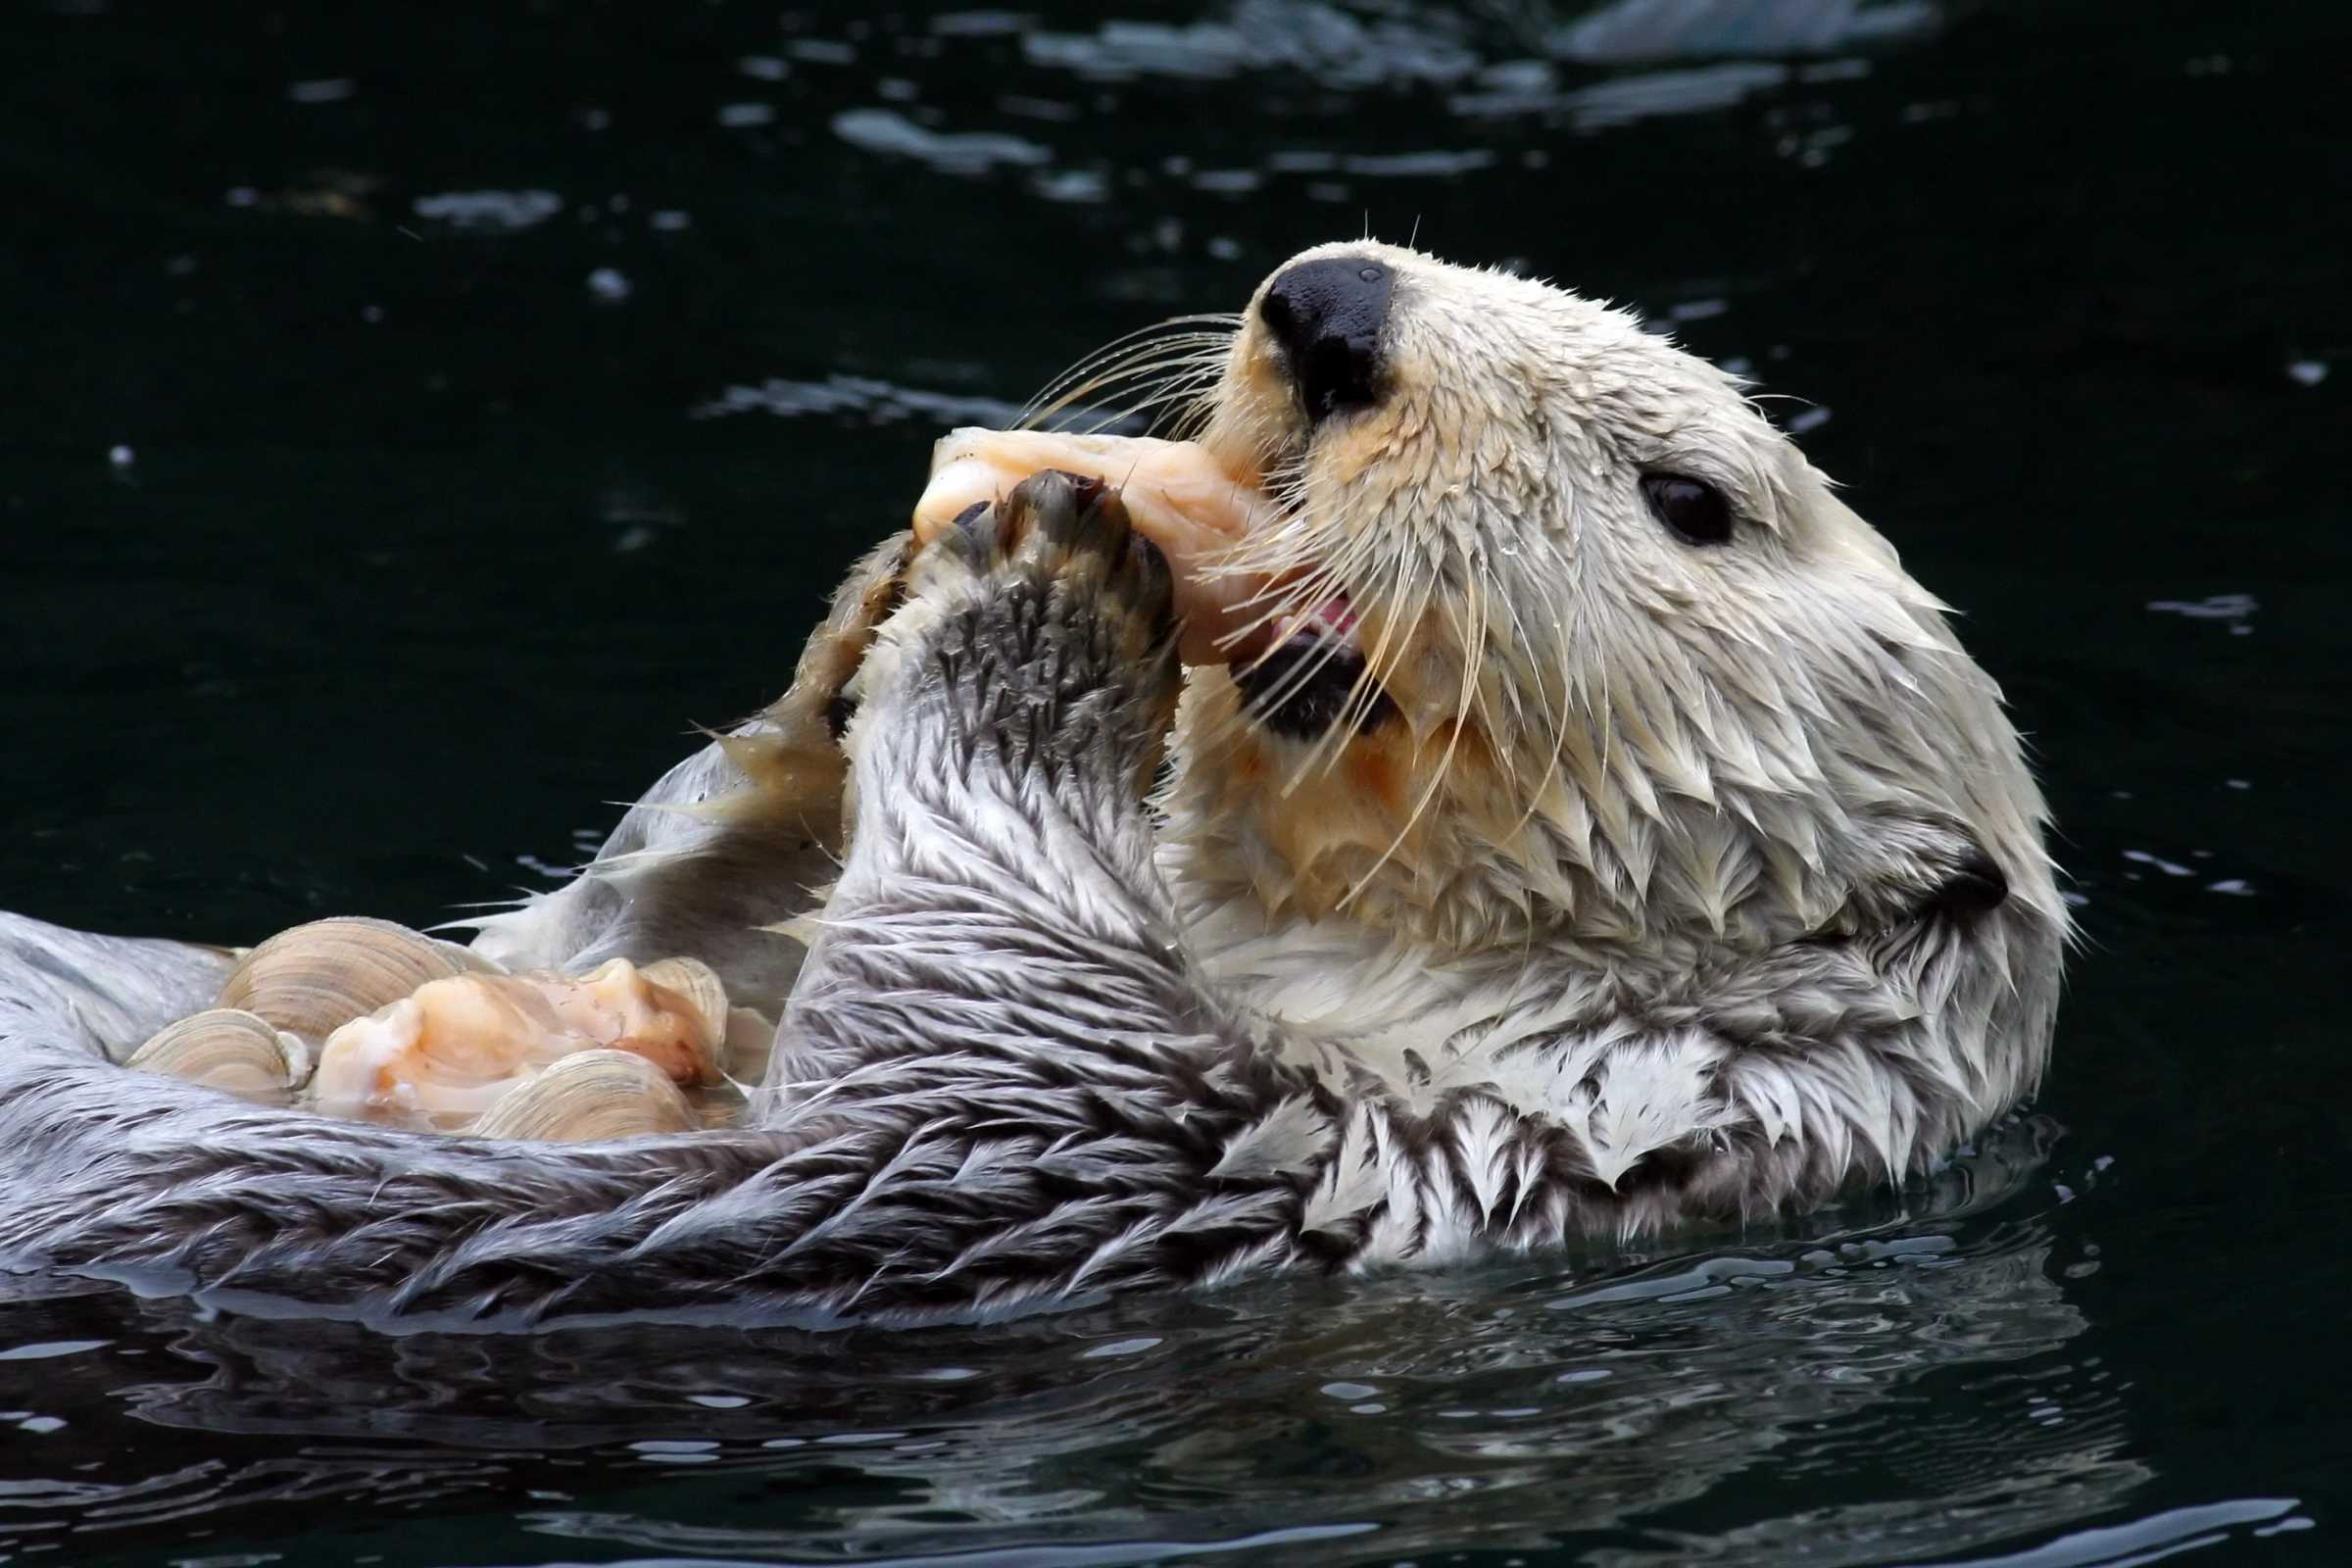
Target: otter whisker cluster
[{"x": 1166, "y": 371}]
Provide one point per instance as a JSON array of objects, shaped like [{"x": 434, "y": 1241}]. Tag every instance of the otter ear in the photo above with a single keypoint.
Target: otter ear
[{"x": 1926, "y": 868}]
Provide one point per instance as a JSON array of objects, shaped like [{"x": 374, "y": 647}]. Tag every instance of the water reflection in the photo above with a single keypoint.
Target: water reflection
[
  {"x": 1338, "y": 49},
  {"x": 1621, "y": 100},
  {"x": 1930, "y": 1356},
  {"x": 1635, "y": 30},
  {"x": 508, "y": 210},
  {"x": 970, "y": 152},
  {"x": 1354, "y": 48},
  {"x": 856, "y": 397}
]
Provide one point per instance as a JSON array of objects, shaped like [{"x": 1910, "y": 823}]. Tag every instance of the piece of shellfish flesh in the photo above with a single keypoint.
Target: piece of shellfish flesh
[{"x": 461, "y": 1044}]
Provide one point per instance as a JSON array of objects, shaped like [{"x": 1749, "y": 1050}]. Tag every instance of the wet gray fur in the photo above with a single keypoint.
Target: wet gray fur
[{"x": 1002, "y": 1085}]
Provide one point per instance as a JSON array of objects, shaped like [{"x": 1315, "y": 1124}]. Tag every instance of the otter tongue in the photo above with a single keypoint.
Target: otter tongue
[
  {"x": 1177, "y": 495},
  {"x": 1333, "y": 617},
  {"x": 1332, "y": 621}
]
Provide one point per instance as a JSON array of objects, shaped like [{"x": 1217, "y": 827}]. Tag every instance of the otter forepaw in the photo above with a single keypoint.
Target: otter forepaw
[
  {"x": 1066, "y": 536},
  {"x": 1042, "y": 618}
]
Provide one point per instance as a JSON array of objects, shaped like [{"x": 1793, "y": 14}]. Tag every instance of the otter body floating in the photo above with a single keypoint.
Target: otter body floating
[{"x": 1570, "y": 820}]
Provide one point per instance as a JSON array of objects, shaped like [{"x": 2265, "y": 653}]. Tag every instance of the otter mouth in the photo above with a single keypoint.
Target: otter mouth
[{"x": 1308, "y": 675}]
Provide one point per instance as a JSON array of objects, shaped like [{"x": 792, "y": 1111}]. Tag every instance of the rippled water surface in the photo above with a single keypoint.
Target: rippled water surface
[{"x": 416, "y": 422}]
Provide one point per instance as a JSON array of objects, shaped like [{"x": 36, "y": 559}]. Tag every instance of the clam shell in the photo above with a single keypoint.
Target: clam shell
[
  {"x": 587, "y": 1096},
  {"x": 312, "y": 979},
  {"x": 225, "y": 1048}
]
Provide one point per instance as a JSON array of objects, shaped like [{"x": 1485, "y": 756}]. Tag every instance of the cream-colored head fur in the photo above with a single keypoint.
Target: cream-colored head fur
[{"x": 1602, "y": 732}]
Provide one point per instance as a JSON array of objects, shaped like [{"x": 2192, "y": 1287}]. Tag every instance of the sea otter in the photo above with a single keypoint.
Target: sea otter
[{"x": 1574, "y": 822}]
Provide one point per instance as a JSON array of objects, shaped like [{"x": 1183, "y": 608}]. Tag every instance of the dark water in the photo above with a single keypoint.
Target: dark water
[{"x": 415, "y": 422}]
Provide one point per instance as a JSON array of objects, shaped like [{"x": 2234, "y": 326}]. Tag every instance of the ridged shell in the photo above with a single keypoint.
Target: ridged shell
[
  {"x": 588, "y": 1096},
  {"x": 225, "y": 1049},
  {"x": 312, "y": 979}
]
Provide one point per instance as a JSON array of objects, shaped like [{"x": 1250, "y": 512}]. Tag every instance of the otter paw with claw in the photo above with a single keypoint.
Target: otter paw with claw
[{"x": 1047, "y": 622}]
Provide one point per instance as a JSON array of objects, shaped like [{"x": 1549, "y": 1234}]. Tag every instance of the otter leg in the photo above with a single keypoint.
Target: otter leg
[
  {"x": 999, "y": 978},
  {"x": 736, "y": 840},
  {"x": 1000, "y": 875}
]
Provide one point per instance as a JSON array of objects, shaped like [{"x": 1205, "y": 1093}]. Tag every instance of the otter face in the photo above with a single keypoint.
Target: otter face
[{"x": 1565, "y": 637}]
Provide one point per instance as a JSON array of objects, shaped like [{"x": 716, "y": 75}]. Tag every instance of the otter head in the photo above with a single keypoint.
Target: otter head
[{"x": 1564, "y": 638}]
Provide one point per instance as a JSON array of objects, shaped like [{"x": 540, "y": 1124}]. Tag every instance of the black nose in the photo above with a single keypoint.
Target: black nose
[{"x": 1327, "y": 316}]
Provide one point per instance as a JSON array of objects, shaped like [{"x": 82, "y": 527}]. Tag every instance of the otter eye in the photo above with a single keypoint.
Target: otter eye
[{"x": 1694, "y": 509}]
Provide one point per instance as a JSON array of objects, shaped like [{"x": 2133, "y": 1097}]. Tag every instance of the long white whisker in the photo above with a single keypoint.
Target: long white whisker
[
  {"x": 1549, "y": 720},
  {"x": 1179, "y": 341},
  {"x": 1151, "y": 361},
  {"x": 1473, "y": 648}
]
